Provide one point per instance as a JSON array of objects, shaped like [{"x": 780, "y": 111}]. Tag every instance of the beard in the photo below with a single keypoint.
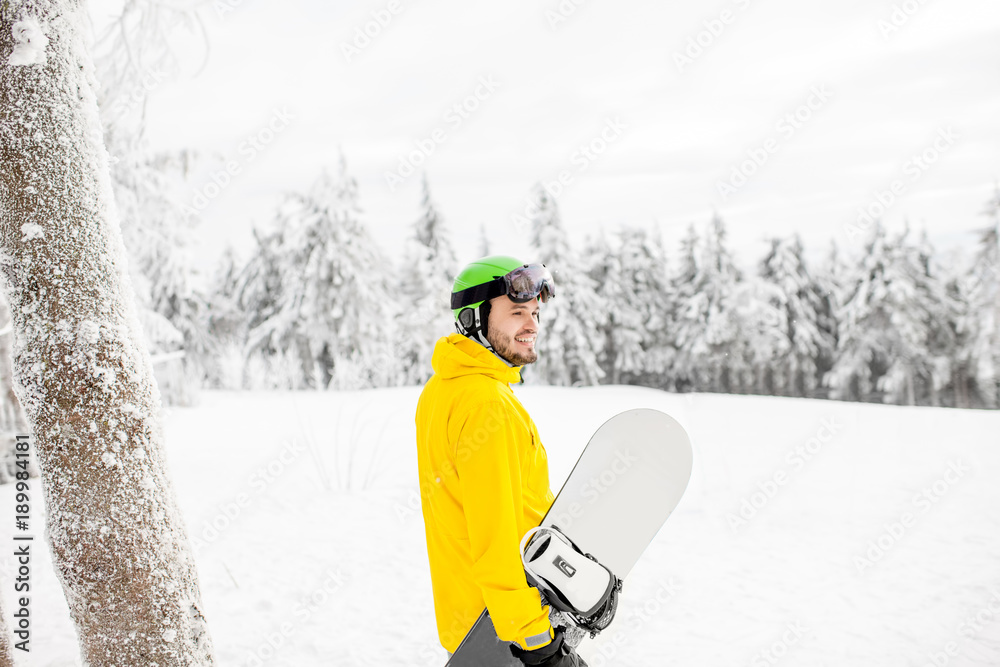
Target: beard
[{"x": 511, "y": 350}]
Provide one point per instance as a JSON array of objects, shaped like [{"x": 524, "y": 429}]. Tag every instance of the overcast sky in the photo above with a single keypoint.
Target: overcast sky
[{"x": 782, "y": 115}]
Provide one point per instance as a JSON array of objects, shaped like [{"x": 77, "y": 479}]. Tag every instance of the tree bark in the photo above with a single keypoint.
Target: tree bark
[
  {"x": 82, "y": 375},
  {"x": 6, "y": 657}
]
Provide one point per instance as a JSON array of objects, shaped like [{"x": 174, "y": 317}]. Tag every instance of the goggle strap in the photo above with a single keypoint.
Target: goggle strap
[{"x": 478, "y": 293}]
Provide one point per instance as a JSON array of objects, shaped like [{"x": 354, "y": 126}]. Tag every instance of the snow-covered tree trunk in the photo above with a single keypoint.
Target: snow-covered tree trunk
[
  {"x": 85, "y": 381},
  {"x": 6, "y": 657},
  {"x": 982, "y": 324}
]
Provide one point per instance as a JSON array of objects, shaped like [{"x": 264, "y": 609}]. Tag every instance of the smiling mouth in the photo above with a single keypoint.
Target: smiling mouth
[{"x": 527, "y": 340}]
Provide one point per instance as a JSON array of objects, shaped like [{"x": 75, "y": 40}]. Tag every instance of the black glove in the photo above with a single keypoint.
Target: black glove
[{"x": 554, "y": 654}]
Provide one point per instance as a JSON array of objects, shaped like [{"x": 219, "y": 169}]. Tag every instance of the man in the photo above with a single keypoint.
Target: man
[{"x": 484, "y": 475}]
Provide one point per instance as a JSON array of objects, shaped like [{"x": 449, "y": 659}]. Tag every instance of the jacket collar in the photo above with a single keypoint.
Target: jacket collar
[{"x": 457, "y": 356}]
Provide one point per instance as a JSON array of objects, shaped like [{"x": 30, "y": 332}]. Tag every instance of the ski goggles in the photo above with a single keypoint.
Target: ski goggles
[{"x": 521, "y": 285}]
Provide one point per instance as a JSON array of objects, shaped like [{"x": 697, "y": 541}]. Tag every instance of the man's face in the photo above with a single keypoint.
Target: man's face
[{"x": 512, "y": 329}]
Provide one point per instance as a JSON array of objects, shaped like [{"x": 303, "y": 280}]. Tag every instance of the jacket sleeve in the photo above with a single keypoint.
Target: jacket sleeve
[{"x": 489, "y": 473}]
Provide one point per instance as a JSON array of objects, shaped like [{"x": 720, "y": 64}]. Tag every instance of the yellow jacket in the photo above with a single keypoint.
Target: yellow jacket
[{"x": 484, "y": 482}]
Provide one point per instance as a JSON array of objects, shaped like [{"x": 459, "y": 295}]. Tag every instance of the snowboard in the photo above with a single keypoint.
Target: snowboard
[{"x": 625, "y": 484}]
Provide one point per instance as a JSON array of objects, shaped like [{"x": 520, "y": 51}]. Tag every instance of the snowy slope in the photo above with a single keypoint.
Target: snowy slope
[{"x": 871, "y": 534}]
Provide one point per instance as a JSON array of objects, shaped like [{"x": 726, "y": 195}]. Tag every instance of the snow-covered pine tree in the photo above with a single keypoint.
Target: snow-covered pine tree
[
  {"x": 618, "y": 321},
  {"x": 859, "y": 360},
  {"x": 131, "y": 59},
  {"x": 159, "y": 241},
  {"x": 799, "y": 309},
  {"x": 888, "y": 320},
  {"x": 257, "y": 290},
  {"x": 227, "y": 273},
  {"x": 981, "y": 326},
  {"x": 260, "y": 290},
  {"x": 958, "y": 390},
  {"x": 706, "y": 324},
  {"x": 660, "y": 306},
  {"x": 484, "y": 242},
  {"x": 944, "y": 310},
  {"x": 82, "y": 374},
  {"x": 862, "y": 355},
  {"x": 335, "y": 313},
  {"x": 829, "y": 279},
  {"x": 226, "y": 323},
  {"x": 920, "y": 313},
  {"x": 569, "y": 340},
  {"x": 631, "y": 279},
  {"x": 685, "y": 330},
  {"x": 135, "y": 56},
  {"x": 428, "y": 271},
  {"x": 762, "y": 346},
  {"x": 263, "y": 290}
]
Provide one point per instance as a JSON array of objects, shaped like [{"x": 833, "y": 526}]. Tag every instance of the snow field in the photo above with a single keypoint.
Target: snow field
[{"x": 813, "y": 532}]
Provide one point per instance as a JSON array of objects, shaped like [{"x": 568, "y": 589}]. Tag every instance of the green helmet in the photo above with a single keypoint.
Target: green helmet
[
  {"x": 479, "y": 272},
  {"x": 491, "y": 277}
]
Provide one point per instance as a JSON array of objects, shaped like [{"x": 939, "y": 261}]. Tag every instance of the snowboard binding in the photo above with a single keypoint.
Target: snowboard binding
[{"x": 574, "y": 583}]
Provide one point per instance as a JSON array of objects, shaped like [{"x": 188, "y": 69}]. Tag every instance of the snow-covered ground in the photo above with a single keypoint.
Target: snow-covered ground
[{"x": 813, "y": 532}]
